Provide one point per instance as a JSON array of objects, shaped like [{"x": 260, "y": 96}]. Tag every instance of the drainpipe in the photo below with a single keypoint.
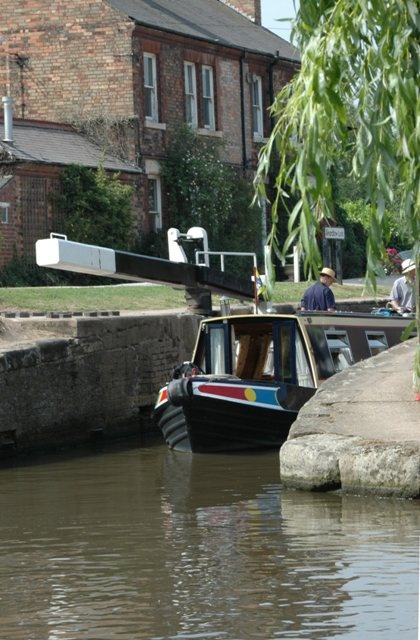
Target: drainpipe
[
  {"x": 243, "y": 127},
  {"x": 277, "y": 58},
  {"x": 8, "y": 118},
  {"x": 271, "y": 81}
]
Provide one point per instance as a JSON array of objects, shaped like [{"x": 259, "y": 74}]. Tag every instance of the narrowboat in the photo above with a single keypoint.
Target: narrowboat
[{"x": 249, "y": 375}]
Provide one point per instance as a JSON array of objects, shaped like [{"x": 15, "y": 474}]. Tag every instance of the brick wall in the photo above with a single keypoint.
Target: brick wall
[
  {"x": 8, "y": 231},
  {"x": 250, "y": 8},
  {"x": 85, "y": 61},
  {"x": 29, "y": 214},
  {"x": 68, "y": 62},
  {"x": 172, "y": 51}
]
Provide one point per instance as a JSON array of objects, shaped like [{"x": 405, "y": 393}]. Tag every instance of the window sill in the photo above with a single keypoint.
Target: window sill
[
  {"x": 210, "y": 132},
  {"x": 155, "y": 125},
  {"x": 259, "y": 138}
]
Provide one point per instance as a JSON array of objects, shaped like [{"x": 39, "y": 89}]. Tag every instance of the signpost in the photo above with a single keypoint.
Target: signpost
[
  {"x": 334, "y": 233},
  {"x": 333, "y": 236}
]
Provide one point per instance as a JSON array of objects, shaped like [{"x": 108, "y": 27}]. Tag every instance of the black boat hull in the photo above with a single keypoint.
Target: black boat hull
[{"x": 204, "y": 424}]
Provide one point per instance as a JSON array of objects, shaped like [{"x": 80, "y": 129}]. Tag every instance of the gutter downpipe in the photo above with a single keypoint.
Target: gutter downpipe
[
  {"x": 243, "y": 128},
  {"x": 271, "y": 83}
]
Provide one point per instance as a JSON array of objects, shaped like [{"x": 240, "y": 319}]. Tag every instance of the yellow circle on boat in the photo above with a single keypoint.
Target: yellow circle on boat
[{"x": 250, "y": 395}]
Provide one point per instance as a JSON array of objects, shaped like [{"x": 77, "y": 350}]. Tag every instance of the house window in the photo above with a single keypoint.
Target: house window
[
  {"x": 150, "y": 87},
  {"x": 155, "y": 200},
  {"x": 257, "y": 107},
  {"x": 4, "y": 212},
  {"x": 208, "y": 98},
  {"x": 190, "y": 94}
]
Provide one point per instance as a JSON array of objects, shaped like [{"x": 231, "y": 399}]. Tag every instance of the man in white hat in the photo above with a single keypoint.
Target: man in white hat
[
  {"x": 319, "y": 296},
  {"x": 403, "y": 294}
]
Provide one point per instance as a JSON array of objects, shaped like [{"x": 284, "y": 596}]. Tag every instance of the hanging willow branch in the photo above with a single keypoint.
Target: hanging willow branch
[{"x": 358, "y": 90}]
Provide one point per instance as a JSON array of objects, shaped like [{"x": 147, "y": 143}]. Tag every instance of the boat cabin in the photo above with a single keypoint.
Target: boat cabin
[
  {"x": 301, "y": 349},
  {"x": 250, "y": 375},
  {"x": 270, "y": 349}
]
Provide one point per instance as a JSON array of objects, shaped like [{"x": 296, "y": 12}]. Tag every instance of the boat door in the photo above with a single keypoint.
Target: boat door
[
  {"x": 216, "y": 352},
  {"x": 291, "y": 360}
]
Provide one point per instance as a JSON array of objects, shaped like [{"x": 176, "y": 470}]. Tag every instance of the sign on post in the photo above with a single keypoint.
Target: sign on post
[{"x": 334, "y": 233}]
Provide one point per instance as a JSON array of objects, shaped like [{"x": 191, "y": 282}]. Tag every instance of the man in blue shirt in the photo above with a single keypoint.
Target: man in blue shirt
[{"x": 319, "y": 296}]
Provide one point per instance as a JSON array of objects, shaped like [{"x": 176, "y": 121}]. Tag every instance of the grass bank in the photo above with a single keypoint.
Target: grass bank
[{"x": 134, "y": 297}]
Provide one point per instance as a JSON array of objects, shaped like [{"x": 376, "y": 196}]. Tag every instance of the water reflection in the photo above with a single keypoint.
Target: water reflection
[{"x": 146, "y": 543}]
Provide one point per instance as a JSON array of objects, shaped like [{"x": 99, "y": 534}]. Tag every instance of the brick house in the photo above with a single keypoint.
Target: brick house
[
  {"x": 31, "y": 161},
  {"x": 127, "y": 72}
]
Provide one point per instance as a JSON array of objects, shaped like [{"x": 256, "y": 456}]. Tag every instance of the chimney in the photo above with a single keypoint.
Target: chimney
[
  {"x": 8, "y": 119},
  {"x": 251, "y": 9}
]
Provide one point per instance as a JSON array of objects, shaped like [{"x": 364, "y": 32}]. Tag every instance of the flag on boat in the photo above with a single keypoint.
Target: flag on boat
[{"x": 259, "y": 284}]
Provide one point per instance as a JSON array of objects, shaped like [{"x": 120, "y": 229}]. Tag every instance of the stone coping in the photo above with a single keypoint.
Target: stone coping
[{"x": 360, "y": 433}]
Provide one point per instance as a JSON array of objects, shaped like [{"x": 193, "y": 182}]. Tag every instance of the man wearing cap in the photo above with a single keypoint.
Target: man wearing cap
[
  {"x": 403, "y": 294},
  {"x": 319, "y": 296}
]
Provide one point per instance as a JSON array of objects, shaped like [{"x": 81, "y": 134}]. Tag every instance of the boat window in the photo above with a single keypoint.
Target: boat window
[
  {"x": 252, "y": 352},
  {"x": 268, "y": 369},
  {"x": 217, "y": 350},
  {"x": 377, "y": 342},
  {"x": 303, "y": 369},
  {"x": 339, "y": 346},
  {"x": 285, "y": 364}
]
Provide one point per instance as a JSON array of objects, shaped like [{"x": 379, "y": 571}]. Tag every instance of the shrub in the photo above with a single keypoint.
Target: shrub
[
  {"x": 203, "y": 191},
  {"x": 96, "y": 207}
]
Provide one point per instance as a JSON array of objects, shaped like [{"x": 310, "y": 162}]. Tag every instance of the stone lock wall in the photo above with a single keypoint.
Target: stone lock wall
[{"x": 86, "y": 377}]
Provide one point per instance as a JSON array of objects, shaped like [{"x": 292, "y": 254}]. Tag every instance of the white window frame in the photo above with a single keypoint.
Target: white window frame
[
  {"x": 4, "y": 212},
  {"x": 151, "y": 107},
  {"x": 209, "y": 120},
  {"x": 155, "y": 211},
  {"x": 257, "y": 107},
  {"x": 190, "y": 84}
]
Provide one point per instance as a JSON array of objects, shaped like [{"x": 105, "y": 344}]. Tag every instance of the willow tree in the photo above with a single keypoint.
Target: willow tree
[{"x": 357, "y": 90}]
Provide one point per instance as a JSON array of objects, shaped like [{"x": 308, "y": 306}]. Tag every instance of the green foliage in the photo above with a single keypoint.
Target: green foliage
[
  {"x": 21, "y": 273},
  {"x": 393, "y": 233},
  {"x": 205, "y": 192},
  {"x": 357, "y": 90},
  {"x": 350, "y": 198},
  {"x": 153, "y": 244},
  {"x": 18, "y": 273},
  {"x": 96, "y": 207}
]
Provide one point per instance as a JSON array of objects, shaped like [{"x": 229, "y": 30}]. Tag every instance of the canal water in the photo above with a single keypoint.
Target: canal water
[{"x": 142, "y": 543}]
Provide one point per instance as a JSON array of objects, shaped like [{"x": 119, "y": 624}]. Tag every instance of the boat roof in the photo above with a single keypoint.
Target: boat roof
[{"x": 314, "y": 318}]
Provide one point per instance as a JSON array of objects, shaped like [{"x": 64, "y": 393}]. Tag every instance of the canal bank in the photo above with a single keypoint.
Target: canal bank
[
  {"x": 360, "y": 433},
  {"x": 66, "y": 382}
]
